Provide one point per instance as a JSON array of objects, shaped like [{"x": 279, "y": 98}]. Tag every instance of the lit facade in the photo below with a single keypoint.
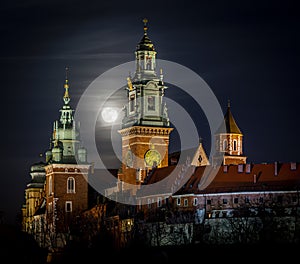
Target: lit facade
[
  {"x": 58, "y": 191},
  {"x": 241, "y": 201}
]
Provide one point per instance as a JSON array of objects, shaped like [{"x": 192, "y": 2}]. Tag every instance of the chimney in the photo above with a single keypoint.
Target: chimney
[
  {"x": 248, "y": 168},
  {"x": 276, "y": 168},
  {"x": 254, "y": 178},
  {"x": 240, "y": 167},
  {"x": 293, "y": 166},
  {"x": 225, "y": 168}
]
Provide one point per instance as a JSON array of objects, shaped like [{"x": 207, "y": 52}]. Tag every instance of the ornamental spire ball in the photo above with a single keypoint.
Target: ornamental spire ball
[{"x": 145, "y": 20}]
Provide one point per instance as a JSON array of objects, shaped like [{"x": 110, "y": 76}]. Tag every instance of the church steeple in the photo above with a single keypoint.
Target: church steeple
[
  {"x": 145, "y": 125},
  {"x": 145, "y": 90},
  {"x": 65, "y": 142},
  {"x": 230, "y": 124},
  {"x": 229, "y": 141},
  {"x": 66, "y": 117}
]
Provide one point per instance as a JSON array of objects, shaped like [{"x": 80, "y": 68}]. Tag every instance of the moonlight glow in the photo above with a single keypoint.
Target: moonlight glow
[{"x": 109, "y": 114}]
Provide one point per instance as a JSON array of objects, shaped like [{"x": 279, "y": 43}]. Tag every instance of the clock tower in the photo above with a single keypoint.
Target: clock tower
[{"x": 145, "y": 126}]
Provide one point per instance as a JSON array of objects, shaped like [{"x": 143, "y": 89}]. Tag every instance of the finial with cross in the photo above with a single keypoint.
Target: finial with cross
[{"x": 145, "y": 20}]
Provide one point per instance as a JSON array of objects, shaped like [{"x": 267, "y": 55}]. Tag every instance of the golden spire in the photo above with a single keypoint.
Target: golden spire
[
  {"x": 66, "y": 85},
  {"x": 145, "y": 20}
]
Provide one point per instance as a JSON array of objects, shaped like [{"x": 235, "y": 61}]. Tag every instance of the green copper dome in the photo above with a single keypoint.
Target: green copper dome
[
  {"x": 38, "y": 167},
  {"x": 145, "y": 44}
]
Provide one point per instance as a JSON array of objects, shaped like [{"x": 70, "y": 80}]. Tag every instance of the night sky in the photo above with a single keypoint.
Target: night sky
[{"x": 246, "y": 51}]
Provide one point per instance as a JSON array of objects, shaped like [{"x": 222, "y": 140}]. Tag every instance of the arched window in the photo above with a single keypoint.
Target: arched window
[
  {"x": 132, "y": 103},
  {"x": 225, "y": 144},
  {"x": 195, "y": 202},
  {"x": 50, "y": 186},
  {"x": 235, "y": 145},
  {"x": 71, "y": 185},
  {"x": 159, "y": 202}
]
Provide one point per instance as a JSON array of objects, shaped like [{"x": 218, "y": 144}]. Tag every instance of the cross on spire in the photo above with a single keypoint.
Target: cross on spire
[
  {"x": 145, "y": 20},
  {"x": 66, "y": 86}
]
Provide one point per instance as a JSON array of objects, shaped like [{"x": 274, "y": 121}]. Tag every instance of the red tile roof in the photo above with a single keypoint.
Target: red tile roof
[{"x": 210, "y": 180}]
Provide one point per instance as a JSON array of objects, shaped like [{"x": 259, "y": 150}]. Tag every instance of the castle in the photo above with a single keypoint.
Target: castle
[{"x": 234, "y": 202}]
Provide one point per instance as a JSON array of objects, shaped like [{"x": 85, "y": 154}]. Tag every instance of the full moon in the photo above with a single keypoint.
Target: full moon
[{"x": 109, "y": 114}]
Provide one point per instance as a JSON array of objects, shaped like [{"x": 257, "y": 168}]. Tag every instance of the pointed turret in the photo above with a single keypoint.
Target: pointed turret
[
  {"x": 229, "y": 122},
  {"x": 65, "y": 142},
  {"x": 229, "y": 141},
  {"x": 66, "y": 117}
]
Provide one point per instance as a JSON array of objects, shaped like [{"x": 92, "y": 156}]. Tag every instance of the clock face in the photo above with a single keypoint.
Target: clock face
[
  {"x": 152, "y": 158},
  {"x": 129, "y": 158}
]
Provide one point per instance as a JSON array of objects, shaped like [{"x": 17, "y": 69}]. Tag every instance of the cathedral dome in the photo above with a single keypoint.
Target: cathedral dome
[
  {"x": 145, "y": 44},
  {"x": 38, "y": 167}
]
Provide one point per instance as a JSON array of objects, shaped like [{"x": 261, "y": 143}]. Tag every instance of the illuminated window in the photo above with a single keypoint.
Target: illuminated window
[
  {"x": 195, "y": 201},
  {"x": 131, "y": 103},
  {"x": 151, "y": 103},
  {"x": 50, "y": 208},
  {"x": 50, "y": 185},
  {"x": 225, "y": 144},
  {"x": 71, "y": 185},
  {"x": 148, "y": 62}
]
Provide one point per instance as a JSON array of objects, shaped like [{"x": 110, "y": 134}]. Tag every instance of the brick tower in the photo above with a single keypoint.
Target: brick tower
[{"x": 145, "y": 126}]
